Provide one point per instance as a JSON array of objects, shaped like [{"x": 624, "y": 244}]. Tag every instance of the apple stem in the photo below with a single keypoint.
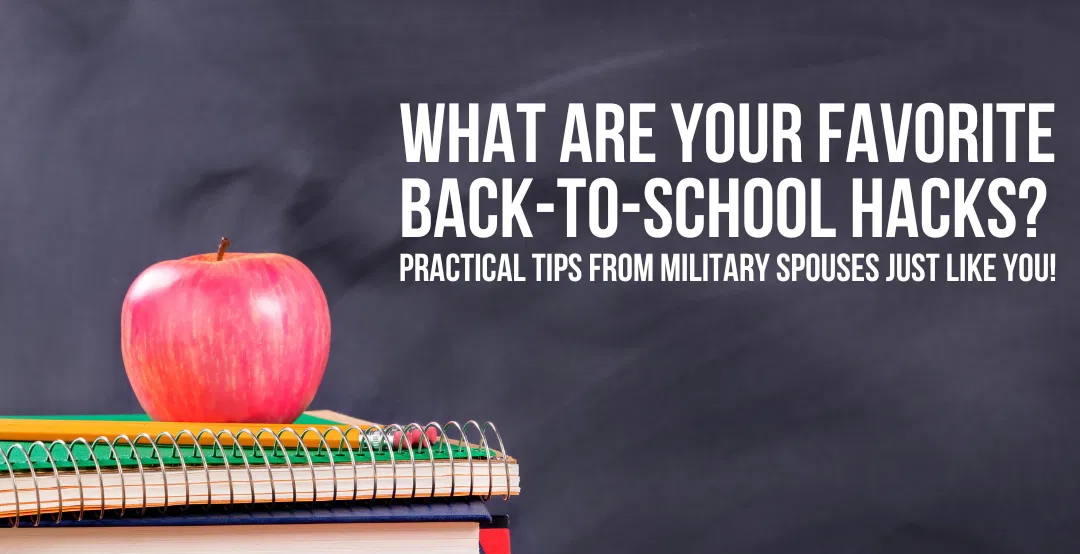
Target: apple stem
[{"x": 224, "y": 245}]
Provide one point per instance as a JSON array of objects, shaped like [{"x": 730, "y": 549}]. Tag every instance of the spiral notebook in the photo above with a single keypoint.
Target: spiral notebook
[{"x": 323, "y": 457}]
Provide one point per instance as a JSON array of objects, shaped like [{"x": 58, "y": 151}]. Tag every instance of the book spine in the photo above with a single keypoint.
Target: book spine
[{"x": 495, "y": 536}]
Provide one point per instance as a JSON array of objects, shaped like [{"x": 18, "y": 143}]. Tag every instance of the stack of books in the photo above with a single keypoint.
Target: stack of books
[{"x": 327, "y": 483}]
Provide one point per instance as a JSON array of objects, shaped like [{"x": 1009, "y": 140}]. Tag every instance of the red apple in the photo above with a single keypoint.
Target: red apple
[{"x": 226, "y": 338}]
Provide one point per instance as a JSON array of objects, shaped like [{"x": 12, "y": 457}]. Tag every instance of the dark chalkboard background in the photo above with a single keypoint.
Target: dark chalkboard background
[{"x": 735, "y": 418}]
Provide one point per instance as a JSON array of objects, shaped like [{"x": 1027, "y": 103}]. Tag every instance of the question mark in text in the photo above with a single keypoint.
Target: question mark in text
[{"x": 1040, "y": 199}]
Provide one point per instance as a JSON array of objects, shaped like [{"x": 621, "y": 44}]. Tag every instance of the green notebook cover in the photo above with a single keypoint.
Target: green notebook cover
[{"x": 144, "y": 454}]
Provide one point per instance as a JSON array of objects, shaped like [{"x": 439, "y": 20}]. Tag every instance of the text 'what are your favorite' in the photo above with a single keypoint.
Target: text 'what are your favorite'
[{"x": 703, "y": 206}]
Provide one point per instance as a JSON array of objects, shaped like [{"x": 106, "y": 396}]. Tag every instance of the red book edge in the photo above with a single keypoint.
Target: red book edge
[{"x": 495, "y": 536}]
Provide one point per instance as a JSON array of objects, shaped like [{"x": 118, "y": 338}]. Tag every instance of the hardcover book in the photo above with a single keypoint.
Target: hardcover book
[{"x": 440, "y": 527}]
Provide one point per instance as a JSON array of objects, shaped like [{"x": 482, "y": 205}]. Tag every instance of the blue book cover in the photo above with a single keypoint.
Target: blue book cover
[{"x": 433, "y": 512}]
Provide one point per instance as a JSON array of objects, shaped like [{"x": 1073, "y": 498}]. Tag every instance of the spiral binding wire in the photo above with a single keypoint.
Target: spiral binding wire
[{"x": 377, "y": 440}]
